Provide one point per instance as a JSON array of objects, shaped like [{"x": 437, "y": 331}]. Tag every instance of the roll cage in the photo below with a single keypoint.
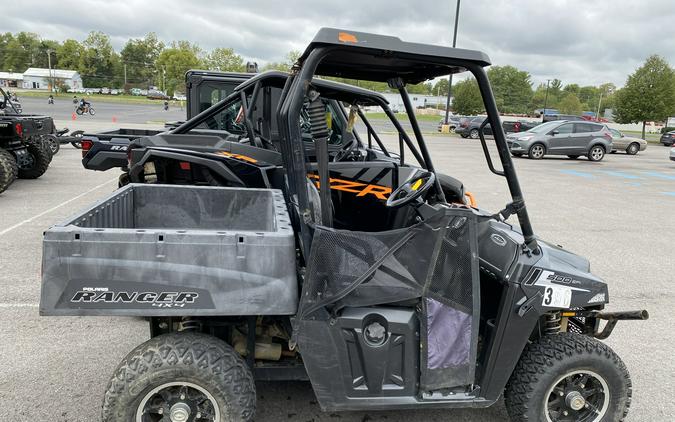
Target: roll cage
[{"x": 364, "y": 56}]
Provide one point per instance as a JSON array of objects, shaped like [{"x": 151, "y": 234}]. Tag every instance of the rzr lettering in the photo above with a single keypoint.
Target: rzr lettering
[{"x": 360, "y": 189}]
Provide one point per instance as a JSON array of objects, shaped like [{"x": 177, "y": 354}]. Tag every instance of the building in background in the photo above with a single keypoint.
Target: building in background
[
  {"x": 11, "y": 80},
  {"x": 38, "y": 78}
]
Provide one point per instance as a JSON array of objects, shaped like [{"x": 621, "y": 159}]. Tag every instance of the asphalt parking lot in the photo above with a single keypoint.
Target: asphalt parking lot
[{"x": 618, "y": 212}]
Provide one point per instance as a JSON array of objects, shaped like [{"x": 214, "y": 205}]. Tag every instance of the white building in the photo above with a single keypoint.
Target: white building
[
  {"x": 37, "y": 78},
  {"x": 11, "y": 80},
  {"x": 417, "y": 101}
]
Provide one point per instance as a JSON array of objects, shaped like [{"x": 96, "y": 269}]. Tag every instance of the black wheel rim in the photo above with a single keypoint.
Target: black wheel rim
[
  {"x": 579, "y": 396},
  {"x": 178, "y": 402}
]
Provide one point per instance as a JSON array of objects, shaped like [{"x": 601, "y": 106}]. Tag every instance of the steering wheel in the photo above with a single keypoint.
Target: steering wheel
[
  {"x": 344, "y": 151},
  {"x": 411, "y": 189}
]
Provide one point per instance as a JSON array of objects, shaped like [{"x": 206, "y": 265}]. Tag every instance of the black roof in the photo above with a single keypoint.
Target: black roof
[
  {"x": 373, "y": 57},
  {"x": 327, "y": 88}
]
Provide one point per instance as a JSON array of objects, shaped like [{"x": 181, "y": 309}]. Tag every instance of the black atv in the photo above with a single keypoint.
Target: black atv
[
  {"x": 313, "y": 252},
  {"x": 24, "y": 148}
]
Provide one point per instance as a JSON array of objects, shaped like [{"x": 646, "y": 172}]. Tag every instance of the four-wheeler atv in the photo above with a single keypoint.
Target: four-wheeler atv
[
  {"x": 326, "y": 260},
  {"x": 24, "y": 151}
]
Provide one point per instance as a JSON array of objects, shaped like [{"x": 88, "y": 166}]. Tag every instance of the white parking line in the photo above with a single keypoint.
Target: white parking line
[{"x": 28, "y": 220}]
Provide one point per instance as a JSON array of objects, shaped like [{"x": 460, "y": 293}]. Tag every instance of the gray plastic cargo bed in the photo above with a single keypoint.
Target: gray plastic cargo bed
[{"x": 150, "y": 250}]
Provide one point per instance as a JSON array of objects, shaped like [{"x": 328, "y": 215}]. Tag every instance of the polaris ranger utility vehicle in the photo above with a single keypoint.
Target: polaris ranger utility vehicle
[
  {"x": 347, "y": 267},
  {"x": 107, "y": 149},
  {"x": 24, "y": 152}
]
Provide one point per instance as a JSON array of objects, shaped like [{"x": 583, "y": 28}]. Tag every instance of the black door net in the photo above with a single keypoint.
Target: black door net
[{"x": 432, "y": 265}]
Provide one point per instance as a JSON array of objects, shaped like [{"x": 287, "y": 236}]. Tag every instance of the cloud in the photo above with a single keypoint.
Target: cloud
[{"x": 576, "y": 41}]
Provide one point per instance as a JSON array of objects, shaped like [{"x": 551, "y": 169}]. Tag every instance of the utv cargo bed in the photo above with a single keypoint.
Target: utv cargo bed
[{"x": 151, "y": 250}]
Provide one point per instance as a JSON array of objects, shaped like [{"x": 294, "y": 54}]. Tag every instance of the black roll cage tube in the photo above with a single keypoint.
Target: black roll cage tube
[
  {"x": 289, "y": 109},
  {"x": 509, "y": 171}
]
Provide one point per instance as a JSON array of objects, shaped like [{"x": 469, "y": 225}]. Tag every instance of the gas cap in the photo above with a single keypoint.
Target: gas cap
[{"x": 375, "y": 334}]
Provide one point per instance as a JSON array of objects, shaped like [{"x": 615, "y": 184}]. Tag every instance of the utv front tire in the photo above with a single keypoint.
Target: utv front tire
[
  {"x": 563, "y": 372},
  {"x": 40, "y": 161},
  {"x": 181, "y": 372}
]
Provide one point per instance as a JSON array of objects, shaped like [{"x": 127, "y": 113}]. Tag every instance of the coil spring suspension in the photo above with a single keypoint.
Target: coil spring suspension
[
  {"x": 552, "y": 322},
  {"x": 189, "y": 324}
]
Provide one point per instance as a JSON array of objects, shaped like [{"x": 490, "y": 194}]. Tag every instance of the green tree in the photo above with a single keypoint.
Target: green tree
[
  {"x": 69, "y": 55},
  {"x": 441, "y": 87},
  {"x": 649, "y": 94},
  {"x": 570, "y": 104},
  {"x": 421, "y": 88},
  {"x": 285, "y": 65},
  {"x": 21, "y": 51},
  {"x": 5, "y": 39},
  {"x": 139, "y": 56},
  {"x": 512, "y": 88},
  {"x": 467, "y": 99},
  {"x": 224, "y": 60},
  {"x": 172, "y": 64},
  {"x": 98, "y": 61}
]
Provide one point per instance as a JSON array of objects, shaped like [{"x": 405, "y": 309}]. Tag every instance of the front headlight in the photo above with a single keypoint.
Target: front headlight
[{"x": 525, "y": 138}]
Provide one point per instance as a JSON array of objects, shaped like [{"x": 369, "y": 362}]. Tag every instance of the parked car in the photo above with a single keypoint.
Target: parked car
[
  {"x": 469, "y": 128},
  {"x": 631, "y": 145},
  {"x": 568, "y": 117},
  {"x": 562, "y": 137},
  {"x": 668, "y": 138},
  {"x": 518, "y": 126},
  {"x": 672, "y": 153},
  {"x": 157, "y": 95},
  {"x": 453, "y": 122}
]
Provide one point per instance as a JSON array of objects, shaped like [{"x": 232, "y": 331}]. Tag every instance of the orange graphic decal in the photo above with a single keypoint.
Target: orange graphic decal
[
  {"x": 360, "y": 189},
  {"x": 237, "y": 156}
]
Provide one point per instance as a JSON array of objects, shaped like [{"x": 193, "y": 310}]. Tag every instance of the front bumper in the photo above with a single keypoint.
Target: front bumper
[{"x": 592, "y": 320}]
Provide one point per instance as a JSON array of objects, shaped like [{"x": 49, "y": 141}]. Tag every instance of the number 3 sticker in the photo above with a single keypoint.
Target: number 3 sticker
[{"x": 557, "y": 297}]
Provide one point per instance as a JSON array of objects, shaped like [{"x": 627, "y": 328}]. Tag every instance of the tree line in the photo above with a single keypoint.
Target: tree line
[
  {"x": 649, "y": 93},
  {"x": 141, "y": 63}
]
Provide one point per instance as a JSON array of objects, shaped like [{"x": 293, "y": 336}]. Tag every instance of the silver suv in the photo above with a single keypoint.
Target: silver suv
[{"x": 562, "y": 137}]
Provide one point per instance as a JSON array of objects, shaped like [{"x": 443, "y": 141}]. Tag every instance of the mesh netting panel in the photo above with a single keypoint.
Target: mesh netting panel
[
  {"x": 434, "y": 262},
  {"x": 452, "y": 279}
]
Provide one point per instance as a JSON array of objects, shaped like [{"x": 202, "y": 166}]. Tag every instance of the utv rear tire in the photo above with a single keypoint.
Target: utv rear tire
[
  {"x": 8, "y": 170},
  {"x": 537, "y": 151},
  {"x": 41, "y": 159},
  {"x": 208, "y": 368},
  {"x": 579, "y": 363}
]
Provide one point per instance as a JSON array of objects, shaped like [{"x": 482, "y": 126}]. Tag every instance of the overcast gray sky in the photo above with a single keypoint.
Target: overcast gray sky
[{"x": 577, "y": 41}]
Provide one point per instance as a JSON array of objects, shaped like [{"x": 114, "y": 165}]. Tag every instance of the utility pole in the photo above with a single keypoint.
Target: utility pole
[
  {"x": 597, "y": 116},
  {"x": 454, "y": 43},
  {"x": 545, "y": 100},
  {"x": 51, "y": 77}
]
